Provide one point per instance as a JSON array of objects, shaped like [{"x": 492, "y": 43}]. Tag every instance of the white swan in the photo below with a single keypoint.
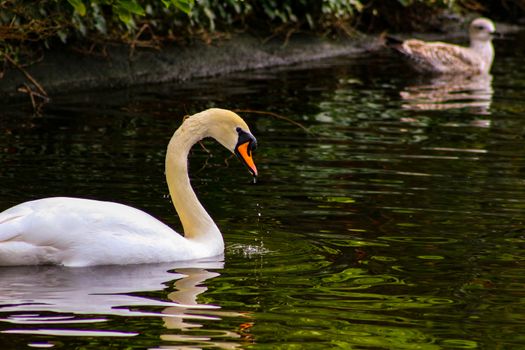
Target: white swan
[
  {"x": 83, "y": 232},
  {"x": 439, "y": 57}
]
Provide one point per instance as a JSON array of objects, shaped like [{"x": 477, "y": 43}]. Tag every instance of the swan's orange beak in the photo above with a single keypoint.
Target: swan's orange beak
[{"x": 244, "y": 152}]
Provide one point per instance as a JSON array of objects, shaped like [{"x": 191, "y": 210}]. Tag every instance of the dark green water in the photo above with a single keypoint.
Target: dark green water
[{"x": 397, "y": 221}]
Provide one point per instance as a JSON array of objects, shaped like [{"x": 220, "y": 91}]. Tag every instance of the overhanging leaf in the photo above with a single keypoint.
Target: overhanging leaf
[
  {"x": 130, "y": 6},
  {"x": 79, "y": 6},
  {"x": 183, "y": 5}
]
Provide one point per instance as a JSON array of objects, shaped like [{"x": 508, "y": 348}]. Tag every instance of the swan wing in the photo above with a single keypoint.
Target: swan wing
[
  {"x": 81, "y": 232},
  {"x": 10, "y": 222}
]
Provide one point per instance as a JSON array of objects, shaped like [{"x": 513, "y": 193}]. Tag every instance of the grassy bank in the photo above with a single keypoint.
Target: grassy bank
[
  {"x": 29, "y": 29},
  {"x": 45, "y": 23}
]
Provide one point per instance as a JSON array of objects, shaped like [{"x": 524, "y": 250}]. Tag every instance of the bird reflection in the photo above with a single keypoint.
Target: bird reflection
[
  {"x": 448, "y": 92},
  {"x": 51, "y": 295}
]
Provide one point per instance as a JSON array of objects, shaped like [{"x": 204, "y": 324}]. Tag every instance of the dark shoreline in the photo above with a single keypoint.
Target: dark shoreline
[
  {"x": 67, "y": 70},
  {"x": 64, "y": 70}
]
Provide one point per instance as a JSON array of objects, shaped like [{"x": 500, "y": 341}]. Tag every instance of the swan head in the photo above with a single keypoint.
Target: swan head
[
  {"x": 482, "y": 29},
  {"x": 232, "y": 132}
]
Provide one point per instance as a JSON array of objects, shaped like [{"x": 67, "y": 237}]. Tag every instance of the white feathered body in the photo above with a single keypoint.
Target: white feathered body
[{"x": 83, "y": 232}]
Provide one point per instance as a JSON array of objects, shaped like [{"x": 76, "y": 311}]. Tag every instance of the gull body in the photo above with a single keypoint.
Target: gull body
[{"x": 444, "y": 58}]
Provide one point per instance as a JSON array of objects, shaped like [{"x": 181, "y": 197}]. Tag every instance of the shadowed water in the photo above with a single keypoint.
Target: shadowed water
[{"x": 393, "y": 217}]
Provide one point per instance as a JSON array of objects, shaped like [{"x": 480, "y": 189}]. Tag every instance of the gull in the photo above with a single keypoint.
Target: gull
[{"x": 443, "y": 58}]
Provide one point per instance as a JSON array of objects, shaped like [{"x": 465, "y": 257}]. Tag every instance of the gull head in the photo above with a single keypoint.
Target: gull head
[{"x": 482, "y": 29}]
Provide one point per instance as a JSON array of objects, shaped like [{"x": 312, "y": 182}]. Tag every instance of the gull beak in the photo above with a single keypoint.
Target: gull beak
[
  {"x": 245, "y": 145},
  {"x": 496, "y": 35}
]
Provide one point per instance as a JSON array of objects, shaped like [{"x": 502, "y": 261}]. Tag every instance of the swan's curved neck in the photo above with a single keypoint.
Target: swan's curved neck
[{"x": 197, "y": 223}]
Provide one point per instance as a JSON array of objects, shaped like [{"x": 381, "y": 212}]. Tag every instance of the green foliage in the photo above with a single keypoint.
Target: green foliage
[
  {"x": 79, "y": 6},
  {"x": 208, "y": 12},
  {"x": 45, "y": 21},
  {"x": 341, "y": 8},
  {"x": 183, "y": 5},
  {"x": 126, "y": 9},
  {"x": 437, "y": 3}
]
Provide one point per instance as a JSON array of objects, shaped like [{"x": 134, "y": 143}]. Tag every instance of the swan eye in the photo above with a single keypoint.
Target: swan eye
[{"x": 246, "y": 137}]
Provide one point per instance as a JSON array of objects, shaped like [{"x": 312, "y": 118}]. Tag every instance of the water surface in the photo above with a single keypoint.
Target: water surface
[{"x": 392, "y": 218}]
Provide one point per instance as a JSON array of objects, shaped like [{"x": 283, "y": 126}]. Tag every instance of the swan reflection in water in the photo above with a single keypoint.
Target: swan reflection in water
[
  {"x": 450, "y": 91},
  {"x": 47, "y": 296}
]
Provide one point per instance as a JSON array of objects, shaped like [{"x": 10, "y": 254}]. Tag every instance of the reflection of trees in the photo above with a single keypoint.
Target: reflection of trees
[
  {"x": 446, "y": 92},
  {"x": 46, "y": 296}
]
